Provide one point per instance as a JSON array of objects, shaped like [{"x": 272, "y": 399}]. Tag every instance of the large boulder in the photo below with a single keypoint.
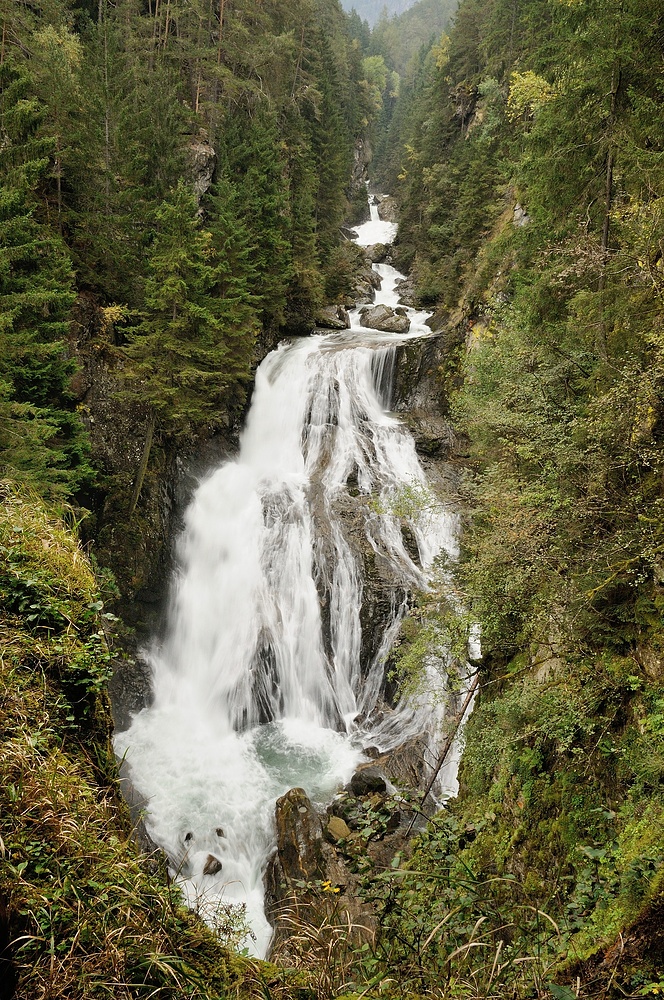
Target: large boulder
[
  {"x": 332, "y": 318},
  {"x": 299, "y": 840},
  {"x": 366, "y": 282},
  {"x": 377, "y": 253},
  {"x": 407, "y": 291},
  {"x": 385, "y": 318},
  {"x": 405, "y": 766},
  {"x": 366, "y": 780},
  {"x": 308, "y": 884}
]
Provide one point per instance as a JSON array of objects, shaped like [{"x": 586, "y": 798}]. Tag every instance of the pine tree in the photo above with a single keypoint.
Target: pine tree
[
  {"x": 43, "y": 439},
  {"x": 185, "y": 356},
  {"x": 255, "y": 156}
]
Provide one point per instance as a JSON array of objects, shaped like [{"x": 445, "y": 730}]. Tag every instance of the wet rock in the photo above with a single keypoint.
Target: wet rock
[
  {"x": 299, "y": 841},
  {"x": 332, "y": 318},
  {"x": 405, "y": 766},
  {"x": 381, "y": 594},
  {"x": 363, "y": 293},
  {"x": 387, "y": 208},
  {"x": 337, "y": 829},
  {"x": 407, "y": 293},
  {"x": 377, "y": 253},
  {"x": 366, "y": 780},
  {"x": 212, "y": 865},
  {"x": 366, "y": 282},
  {"x": 410, "y": 542},
  {"x": 138, "y": 804},
  {"x": 421, "y": 394},
  {"x": 130, "y": 690},
  {"x": 385, "y": 318},
  {"x": 307, "y": 881}
]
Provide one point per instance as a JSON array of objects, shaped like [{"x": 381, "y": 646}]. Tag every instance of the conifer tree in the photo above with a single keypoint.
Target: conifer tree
[
  {"x": 43, "y": 439},
  {"x": 195, "y": 339},
  {"x": 255, "y": 155}
]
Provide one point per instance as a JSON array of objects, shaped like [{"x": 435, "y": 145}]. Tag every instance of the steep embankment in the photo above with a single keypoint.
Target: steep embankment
[
  {"x": 80, "y": 909},
  {"x": 81, "y": 913},
  {"x": 530, "y": 182}
]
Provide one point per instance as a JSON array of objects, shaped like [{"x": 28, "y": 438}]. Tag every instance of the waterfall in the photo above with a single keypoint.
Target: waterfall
[{"x": 259, "y": 683}]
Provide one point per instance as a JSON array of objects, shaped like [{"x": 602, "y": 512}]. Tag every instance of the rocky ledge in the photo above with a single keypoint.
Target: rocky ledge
[
  {"x": 313, "y": 878},
  {"x": 332, "y": 318},
  {"x": 385, "y": 318}
]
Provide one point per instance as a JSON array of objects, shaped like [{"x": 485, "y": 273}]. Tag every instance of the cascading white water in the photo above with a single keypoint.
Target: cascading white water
[{"x": 254, "y": 693}]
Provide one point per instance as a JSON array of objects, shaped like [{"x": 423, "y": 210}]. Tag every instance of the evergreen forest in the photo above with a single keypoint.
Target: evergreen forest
[{"x": 176, "y": 179}]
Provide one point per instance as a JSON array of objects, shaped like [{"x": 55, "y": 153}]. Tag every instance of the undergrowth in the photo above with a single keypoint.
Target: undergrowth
[
  {"x": 546, "y": 876},
  {"x": 82, "y": 915}
]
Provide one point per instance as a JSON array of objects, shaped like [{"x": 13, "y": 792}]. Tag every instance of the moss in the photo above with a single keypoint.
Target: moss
[{"x": 555, "y": 846}]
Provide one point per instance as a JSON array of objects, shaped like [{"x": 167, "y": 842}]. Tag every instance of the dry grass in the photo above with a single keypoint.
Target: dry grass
[
  {"x": 84, "y": 915},
  {"x": 322, "y": 941}
]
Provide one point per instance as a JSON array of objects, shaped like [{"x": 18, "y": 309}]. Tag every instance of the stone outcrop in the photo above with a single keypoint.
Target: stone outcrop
[
  {"x": 313, "y": 878},
  {"x": 377, "y": 253},
  {"x": 332, "y": 318},
  {"x": 307, "y": 880},
  {"x": 361, "y": 159},
  {"x": 420, "y": 394},
  {"x": 404, "y": 766},
  {"x": 366, "y": 283},
  {"x": 407, "y": 293},
  {"x": 387, "y": 208},
  {"x": 202, "y": 161},
  {"x": 521, "y": 217},
  {"x": 386, "y": 319},
  {"x": 212, "y": 865}
]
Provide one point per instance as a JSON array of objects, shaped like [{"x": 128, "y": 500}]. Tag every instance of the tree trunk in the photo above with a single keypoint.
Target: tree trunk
[
  {"x": 222, "y": 4},
  {"x": 143, "y": 466},
  {"x": 449, "y": 740}
]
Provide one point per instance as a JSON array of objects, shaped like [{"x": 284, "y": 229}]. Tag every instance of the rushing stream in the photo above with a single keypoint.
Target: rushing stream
[{"x": 258, "y": 684}]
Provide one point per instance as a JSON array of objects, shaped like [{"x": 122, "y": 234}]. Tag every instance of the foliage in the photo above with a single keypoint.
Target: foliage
[
  {"x": 113, "y": 116},
  {"x": 83, "y": 913},
  {"x": 530, "y": 179},
  {"x": 555, "y": 844},
  {"x": 42, "y": 439},
  {"x": 196, "y": 340}
]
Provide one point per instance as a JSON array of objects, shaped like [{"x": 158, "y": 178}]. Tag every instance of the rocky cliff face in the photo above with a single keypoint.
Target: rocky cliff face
[{"x": 136, "y": 546}]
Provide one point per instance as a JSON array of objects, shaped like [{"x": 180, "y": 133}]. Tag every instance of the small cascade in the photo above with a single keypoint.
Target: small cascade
[{"x": 259, "y": 682}]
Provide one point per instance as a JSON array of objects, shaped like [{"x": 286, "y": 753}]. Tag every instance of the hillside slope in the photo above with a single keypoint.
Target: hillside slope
[{"x": 527, "y": 156}]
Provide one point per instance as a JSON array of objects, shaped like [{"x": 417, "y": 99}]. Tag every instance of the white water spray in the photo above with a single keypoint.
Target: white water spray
[{"x": 253, "y": 692}]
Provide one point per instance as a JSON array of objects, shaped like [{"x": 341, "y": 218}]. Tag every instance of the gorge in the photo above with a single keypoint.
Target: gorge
[{"x": 238, "y": 517}]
